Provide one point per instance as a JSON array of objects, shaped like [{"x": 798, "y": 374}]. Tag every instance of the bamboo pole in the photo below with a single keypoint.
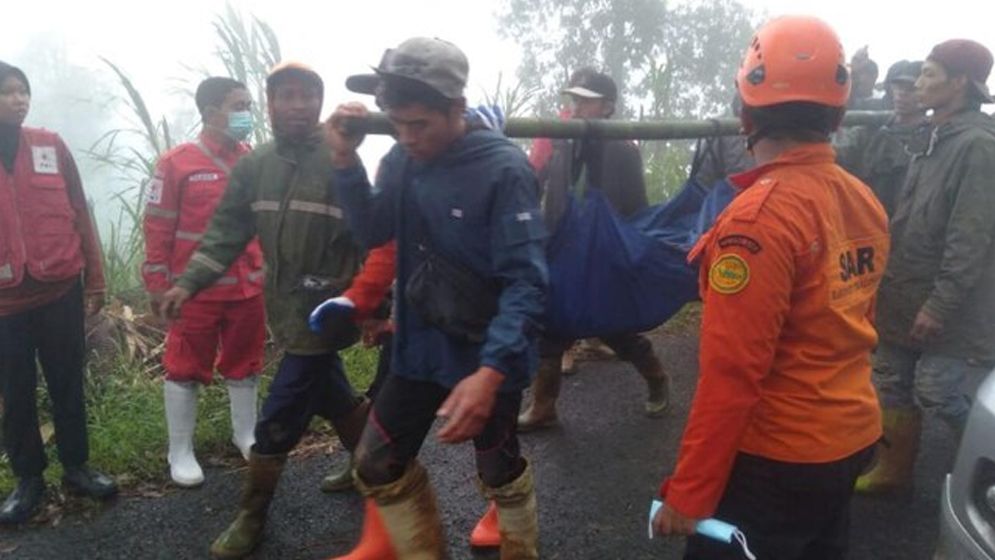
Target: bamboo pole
[{"x": 673, "y": 129}]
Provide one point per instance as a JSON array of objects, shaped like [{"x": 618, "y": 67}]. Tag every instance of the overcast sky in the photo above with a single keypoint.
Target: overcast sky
[{"x": 151, "y": 39}]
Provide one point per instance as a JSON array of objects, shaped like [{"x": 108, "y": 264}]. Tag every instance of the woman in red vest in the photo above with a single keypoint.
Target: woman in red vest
[{"x": 50, "y": 277}]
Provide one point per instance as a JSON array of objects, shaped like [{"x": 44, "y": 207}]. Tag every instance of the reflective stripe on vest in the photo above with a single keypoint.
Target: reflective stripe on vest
[
  {"x": 256, "y": 275},
  {"x": 6, "y": 272},
  {"x": 315, "y": 208},
  {"x": 162, "y": 213},
  {"x": 265, "y": 206},
  {"x": 208, "y": 262},
  {"x": 155, "y": 268},
  {"x": 189, "y": 235},
  {"x": 226, "y": 281}
]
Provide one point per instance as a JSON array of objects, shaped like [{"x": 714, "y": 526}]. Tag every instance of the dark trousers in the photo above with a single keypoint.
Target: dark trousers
[
  {"x": 383, "y": 365},
  {"x": 632, "y": 347},
  {"x": 402, "y": 416},
  {"x": 304, "y": 386},
  {"x": 788, "y": 511},
  {"x": 51, "y": 335}
]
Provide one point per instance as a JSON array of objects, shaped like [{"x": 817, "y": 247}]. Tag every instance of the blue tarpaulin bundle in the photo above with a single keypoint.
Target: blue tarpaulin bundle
[{"x": 611, "y": 276}]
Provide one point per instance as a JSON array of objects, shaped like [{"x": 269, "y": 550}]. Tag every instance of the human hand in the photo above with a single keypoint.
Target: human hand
[
  {"x": 336, "y": 308},
  {"x": 469, "y": 405},
  {"x": 343, "y": 139},
  {"x": 669, "y": 521},
  {"x": 93, "y": 303},
  {"x": 926, "y": 327},
  {"x": 172, "y": 301}
]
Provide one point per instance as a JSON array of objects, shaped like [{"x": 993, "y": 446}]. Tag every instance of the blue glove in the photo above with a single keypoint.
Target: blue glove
[
  {"x": 711, "y": 528},
  {"x": 335, "y": 308},
  {"x": 488, "y": 116}
]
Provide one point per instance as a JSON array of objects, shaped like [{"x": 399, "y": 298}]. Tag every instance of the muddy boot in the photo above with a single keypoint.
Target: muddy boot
[
  {"x": 568, "y": 365},
  {"x": 487, "y": 533},
  {"x": 541, "y": 412},
  {"x": 410, "y": 514},
  {"x": 349, "y": 429},
  {"x": 374, "y": 543},
  {"x": 242, "y": 536},
  {"x": 339, "y": 479},
  {"x": 517, "y": 517},
  {"x": 658, "y": 386},
  {"x": 896, "y": 456}
]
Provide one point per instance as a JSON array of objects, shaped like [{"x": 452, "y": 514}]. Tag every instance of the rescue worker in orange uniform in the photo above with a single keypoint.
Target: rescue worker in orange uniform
[
  {"x": 785, "y": 416},
  {"x": 223, "y": 327}
]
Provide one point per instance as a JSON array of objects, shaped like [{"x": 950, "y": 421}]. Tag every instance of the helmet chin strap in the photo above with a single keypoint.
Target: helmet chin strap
[{"x": 753, "y": 135}]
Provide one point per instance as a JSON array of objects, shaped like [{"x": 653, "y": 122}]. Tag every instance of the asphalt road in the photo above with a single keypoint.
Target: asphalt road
[{"x": 595, "y": 474}]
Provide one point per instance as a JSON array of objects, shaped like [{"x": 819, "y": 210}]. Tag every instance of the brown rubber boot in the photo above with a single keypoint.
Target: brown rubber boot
[
  {"x": 896, "y": 457},
  {"x": 517, "y": 516},
  {"x": 658, "y": 385},
  {"x": 349, "y": 429},
  {"x": 410, "y": 514},
  {"x": 242, "y": 536},
  {"x": 541, "y": 412}
]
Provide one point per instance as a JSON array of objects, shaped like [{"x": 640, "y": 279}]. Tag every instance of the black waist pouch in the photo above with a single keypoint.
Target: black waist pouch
[{"x": 452, "y": 298}]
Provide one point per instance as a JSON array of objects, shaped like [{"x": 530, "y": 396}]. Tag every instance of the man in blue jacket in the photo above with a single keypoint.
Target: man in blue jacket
[{"x": 462, "y": 205}]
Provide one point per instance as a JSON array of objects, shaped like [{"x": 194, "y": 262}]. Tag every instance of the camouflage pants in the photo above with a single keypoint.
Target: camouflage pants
[{"x": 906, "y": 378}]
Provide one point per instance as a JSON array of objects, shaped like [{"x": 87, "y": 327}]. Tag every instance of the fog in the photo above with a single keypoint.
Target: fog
[{"x": 163, "y": 47}]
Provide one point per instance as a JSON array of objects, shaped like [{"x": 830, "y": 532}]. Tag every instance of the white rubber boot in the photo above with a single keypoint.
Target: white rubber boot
[
  {"x": 181, "y": 419},
  {"x": 242, "y": 397}
]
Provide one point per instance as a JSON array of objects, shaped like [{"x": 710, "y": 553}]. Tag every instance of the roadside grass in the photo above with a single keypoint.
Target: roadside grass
[{"x": 127, "y": 424}]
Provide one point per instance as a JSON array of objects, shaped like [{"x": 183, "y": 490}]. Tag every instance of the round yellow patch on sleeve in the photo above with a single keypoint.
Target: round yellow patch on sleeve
[{"x": 729, "y": 274}]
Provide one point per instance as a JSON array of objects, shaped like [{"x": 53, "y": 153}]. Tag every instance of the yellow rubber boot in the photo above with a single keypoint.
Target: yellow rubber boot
[
  {"x": 893, "y": 473},
  {"x": 517, "y": 516},
  {"x": 410, "y": 514},
  {"x": 374, "y": 543}
]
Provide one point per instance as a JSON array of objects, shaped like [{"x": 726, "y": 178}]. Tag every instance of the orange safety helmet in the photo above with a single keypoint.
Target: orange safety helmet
[{"x": 794, "y": 58}]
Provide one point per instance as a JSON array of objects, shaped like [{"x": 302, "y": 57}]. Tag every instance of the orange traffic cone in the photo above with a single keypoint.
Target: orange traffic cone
[
  {"x": 487, "y": 534},
  {"x": 374, "y": 543}
]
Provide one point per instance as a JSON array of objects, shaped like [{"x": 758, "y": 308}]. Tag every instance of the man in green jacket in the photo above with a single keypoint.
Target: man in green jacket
[
  {"x": 937, "y": 298},
  {"x": 283, "y": 193},
  {"x": 880, "y": 156}
]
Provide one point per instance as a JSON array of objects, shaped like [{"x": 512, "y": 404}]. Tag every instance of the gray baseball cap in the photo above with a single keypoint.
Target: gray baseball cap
[{"x": 438, "y": 64}]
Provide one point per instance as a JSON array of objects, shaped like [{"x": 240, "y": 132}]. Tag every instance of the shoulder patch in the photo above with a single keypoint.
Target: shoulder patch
[
  {"x": 729, "y": 274},
  {"x": 748, "y": 204},
  {"x": 744, "y": 241}
]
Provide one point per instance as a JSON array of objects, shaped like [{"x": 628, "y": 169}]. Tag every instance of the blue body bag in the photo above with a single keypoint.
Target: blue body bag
[{"x": 612, "y": 276}]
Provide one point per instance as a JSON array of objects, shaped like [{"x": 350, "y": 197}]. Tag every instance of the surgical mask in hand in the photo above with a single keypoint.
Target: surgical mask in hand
[{"x": 239, "y": 125}]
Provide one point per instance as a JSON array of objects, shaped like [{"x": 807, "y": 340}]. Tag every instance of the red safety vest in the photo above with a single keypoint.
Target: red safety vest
[
  {"x": 187, "y": 187},
  {"x": 37, "y": 222}
]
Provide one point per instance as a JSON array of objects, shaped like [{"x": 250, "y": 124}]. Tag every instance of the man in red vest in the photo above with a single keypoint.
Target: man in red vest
[
  {"x": 223, "y": 327},
  {"x": 50, "y": 277}
]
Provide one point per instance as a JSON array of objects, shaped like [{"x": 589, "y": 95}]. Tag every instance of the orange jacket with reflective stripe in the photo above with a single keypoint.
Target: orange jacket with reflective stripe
[
  {"x": 187, "y": 186},
  {"x": 788, "y": 277}
]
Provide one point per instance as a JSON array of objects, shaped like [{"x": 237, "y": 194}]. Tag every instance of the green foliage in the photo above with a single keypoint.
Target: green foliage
[
  {"x": 127, "y": 423},
  {"x": 672, "y": 61},
  {"x": 666, "y": 169},
  {"x": 248, "y": 48}
]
